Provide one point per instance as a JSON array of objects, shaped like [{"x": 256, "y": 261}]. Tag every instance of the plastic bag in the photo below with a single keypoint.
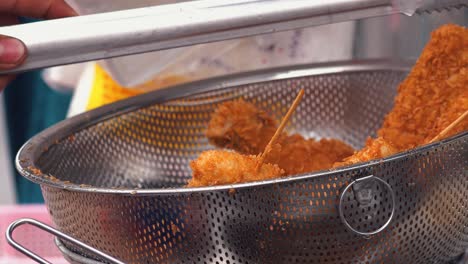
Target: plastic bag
[{"x": 212, "y": 59}]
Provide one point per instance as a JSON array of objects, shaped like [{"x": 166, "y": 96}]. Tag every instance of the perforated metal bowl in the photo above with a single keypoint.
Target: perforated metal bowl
[{"x": 119, "y": 171}]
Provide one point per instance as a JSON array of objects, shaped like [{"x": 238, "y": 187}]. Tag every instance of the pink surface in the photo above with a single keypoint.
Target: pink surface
[{"x": 38, "y": 241}]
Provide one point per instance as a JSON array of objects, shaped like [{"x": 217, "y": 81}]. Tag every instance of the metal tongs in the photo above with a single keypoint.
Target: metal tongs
[{"x": 114, "y": 34}]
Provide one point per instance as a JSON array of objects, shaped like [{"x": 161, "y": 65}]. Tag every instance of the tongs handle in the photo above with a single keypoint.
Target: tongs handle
[
  {"x": 107, "y": 35},
  {"x": 94, "y": 37}
]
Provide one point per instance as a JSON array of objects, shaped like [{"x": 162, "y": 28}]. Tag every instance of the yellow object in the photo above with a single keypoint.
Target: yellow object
[{"x": 105, "y": 90}]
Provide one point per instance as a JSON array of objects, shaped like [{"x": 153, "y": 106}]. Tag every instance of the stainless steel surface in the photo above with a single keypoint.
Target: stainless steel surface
[
  {"x": 11, "y": 228},
  {"x": 72, "y": 257},
  {"x": 364, "y": 196},
  {"x": 75, "y": 258},
  {"x": 107, "y": 35},
  {"x": 118, "y": 174}
]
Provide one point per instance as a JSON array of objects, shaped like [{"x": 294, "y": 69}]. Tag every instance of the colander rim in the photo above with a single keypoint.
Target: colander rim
[{"x": 33, "y": 148}]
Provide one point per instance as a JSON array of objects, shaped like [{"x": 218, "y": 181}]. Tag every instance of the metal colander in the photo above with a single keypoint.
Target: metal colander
[{"x": 113, "y": 178}]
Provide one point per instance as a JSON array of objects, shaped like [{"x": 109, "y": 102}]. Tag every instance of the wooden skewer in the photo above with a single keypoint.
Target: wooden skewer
[
  {"x": 452, "y": 125},
  {"x": 280, "y": 128}
]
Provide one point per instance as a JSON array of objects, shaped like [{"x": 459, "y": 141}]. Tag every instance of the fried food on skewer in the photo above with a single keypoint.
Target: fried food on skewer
[
  {"x": 433, "y": 95},
  {"x": 374, "y": 149},
  {"x": 449, "y": 128},
  {"x": 224, "y": 167},
  {"x": 218, "y": 167},
  {"x": 297, "y": 155},
  {"x": 431, "y": 98},
  {"x": 241, "y": 126}
]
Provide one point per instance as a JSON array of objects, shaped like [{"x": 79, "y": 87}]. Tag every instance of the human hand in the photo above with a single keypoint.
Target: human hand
[{"x": 12, "y": 51}]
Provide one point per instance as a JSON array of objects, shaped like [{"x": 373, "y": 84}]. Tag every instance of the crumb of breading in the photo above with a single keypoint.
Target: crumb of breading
[{"x": 34, "y": 170}]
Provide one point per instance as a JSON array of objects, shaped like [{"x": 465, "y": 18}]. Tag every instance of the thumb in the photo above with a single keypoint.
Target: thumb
[{"x": 12, "y": 52}]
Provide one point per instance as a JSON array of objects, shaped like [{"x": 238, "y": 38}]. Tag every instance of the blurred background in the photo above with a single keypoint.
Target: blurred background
[{"x": 37, "y": 100}]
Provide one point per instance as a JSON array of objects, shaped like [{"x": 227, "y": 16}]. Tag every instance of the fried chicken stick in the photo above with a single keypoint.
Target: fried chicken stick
[
  {"x": 241, "y": 126},
  {"x": 434, "y": 94},
  {"x": 224, "y": 167}
]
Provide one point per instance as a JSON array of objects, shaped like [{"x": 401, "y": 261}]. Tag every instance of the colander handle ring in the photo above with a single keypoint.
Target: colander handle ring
[
  {"x": 38, "y": 259},
  {"x": 342, "y": 197}
]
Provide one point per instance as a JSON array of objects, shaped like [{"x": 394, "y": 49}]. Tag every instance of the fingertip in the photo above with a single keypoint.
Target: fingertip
[{"x": 12, "y": 52}]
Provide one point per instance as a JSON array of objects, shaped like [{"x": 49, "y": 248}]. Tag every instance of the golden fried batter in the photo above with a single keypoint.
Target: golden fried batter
[
  {"x": 296, "y": 155},
  {"x": 374, "y": 149},
  {"x": 433, "y": 96},
  {"x": 243, "y": 127},
  {"x": 218, "y": 167}
]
